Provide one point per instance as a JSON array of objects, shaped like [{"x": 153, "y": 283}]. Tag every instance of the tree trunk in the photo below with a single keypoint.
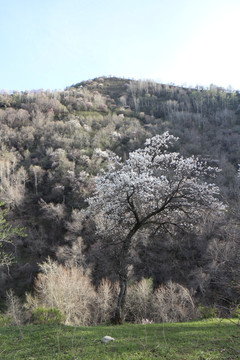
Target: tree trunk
[
  {"x": 119, "y": 311},
  {"x": 123, "y": 275}
]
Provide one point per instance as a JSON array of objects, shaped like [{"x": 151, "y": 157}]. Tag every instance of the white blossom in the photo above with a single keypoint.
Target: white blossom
[{"x": 153, "y": 187}]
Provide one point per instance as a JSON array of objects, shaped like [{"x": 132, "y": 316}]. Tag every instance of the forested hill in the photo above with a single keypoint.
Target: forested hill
[
  {"x": 53, "y": 143},
  {"x": 204, "y": 119}
]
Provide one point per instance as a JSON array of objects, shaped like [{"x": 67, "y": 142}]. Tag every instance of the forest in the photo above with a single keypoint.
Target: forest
[{"x": 61, "y": 231}]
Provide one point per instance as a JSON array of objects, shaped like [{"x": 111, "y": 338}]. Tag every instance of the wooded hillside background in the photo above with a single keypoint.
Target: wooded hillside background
[{"x": 52, "y": 145}]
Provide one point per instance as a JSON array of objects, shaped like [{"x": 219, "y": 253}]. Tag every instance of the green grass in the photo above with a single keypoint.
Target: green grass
[{"x": 198, "y": 340}]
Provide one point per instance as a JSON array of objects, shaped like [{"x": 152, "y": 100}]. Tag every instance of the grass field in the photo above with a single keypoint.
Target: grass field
[{"x": 199, "y": 340}]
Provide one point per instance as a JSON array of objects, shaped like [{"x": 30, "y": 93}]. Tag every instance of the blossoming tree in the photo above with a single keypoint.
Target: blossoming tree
[{"x": 154, "y": 190}]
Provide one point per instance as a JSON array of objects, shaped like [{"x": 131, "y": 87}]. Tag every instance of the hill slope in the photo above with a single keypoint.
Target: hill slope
[{"x": 54, "y": 143}]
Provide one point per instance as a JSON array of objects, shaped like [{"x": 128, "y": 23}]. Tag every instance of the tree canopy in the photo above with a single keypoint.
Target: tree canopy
[{"x": 153, "y": 187}]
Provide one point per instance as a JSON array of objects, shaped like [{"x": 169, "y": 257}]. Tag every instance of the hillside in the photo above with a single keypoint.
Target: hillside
[{"x": 54, "y": 143}]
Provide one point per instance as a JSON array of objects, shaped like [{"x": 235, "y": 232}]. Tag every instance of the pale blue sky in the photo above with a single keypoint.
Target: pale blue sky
[{"x": 52, "y": 44}]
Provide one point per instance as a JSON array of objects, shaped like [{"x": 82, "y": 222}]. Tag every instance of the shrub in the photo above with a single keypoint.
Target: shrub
[
  {"x": 138, "y": 302},
  {"x": 172, "y": 303},
  {"x": 15, "y": 310},
  {"x": 103, "y": 302},
  {"x": 67, "y": 289},
  {"x": 208, "y": 312},
  {"x": 169, "y": 303},
  {"x": 236, "y": 312},
  {"x": 47, "y": 316},
  {"x": 5, "y": 320}
]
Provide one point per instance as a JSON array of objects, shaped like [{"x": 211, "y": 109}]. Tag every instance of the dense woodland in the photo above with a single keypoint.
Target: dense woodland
[{"x": 54, "y": 143}]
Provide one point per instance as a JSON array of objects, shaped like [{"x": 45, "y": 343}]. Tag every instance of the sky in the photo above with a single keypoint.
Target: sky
[{"x": 52, "y": 44}]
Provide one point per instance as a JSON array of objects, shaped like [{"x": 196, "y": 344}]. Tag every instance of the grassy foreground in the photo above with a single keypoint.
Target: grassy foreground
[{"x": 198, "y": 340}]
